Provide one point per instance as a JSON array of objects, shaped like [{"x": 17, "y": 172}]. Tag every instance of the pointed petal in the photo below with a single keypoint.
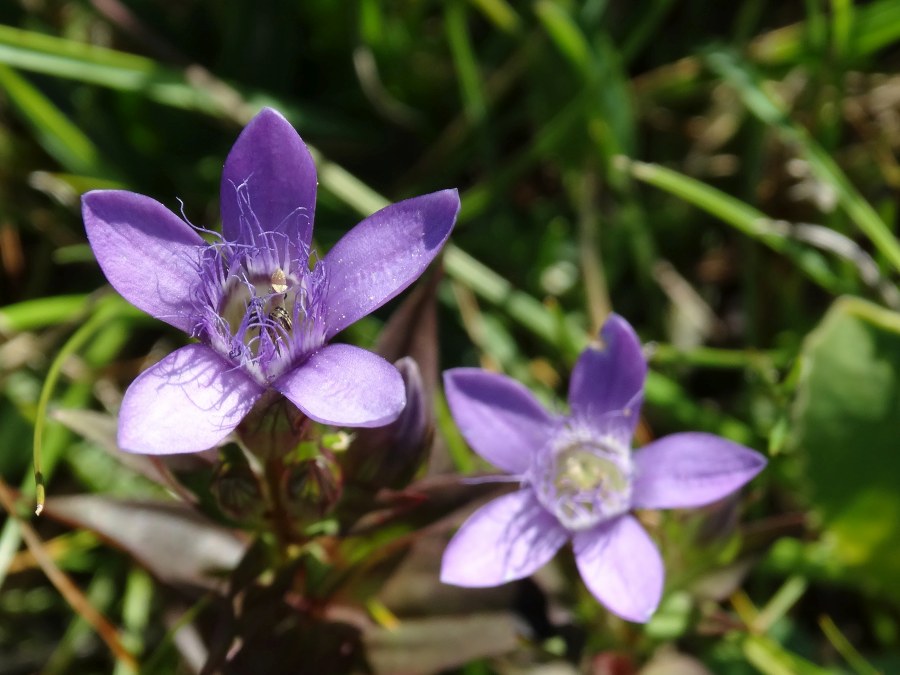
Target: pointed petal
[
  {"x": 345, "y": 386},
  {"x": 607, "y": 382},
  {"x": 501, "y": 420},
  {"x": 187, "y": 402},
  {"x": 269, "y": 184},
  {"x": 384, "y": 254},
  {"x": 622, "y": 567},
  {"x": 147, "y": 252},
  {"x": 691, "y": 469},
  {"x": 506, "y": 539}
]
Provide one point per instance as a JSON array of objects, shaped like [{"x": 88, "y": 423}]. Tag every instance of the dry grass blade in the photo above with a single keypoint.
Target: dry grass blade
[{"x": 76, "y": 599}]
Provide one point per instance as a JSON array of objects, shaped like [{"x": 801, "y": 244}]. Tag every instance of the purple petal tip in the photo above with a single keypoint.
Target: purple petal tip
[{"x": 691, "y": 469}]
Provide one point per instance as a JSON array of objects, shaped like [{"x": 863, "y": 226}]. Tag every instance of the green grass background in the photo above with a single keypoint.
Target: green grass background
[{"x": 723, "y": 174}]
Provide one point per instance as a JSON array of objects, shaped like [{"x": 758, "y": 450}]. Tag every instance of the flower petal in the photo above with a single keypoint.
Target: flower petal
[
  {"x": 147, "y": 252},
  {"x": 269, "y": 184},
  {"x": 607, "y": 383},
  {"x": 622, "y": 567},
  {"x": 691, "y": 469},
  {"x": 384, "y": 254},
  {"x": 501, "y": 420},
  {"x": 508, "y": 538},
  {"x": 187, "y": 402},
  {"x": 345, "y": 386}
]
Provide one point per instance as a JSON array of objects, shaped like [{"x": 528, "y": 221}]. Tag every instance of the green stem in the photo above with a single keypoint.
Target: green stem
[{"x": 80, "y": 337}]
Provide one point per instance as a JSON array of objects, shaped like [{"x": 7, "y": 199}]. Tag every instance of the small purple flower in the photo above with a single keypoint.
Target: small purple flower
[
  {"x": 261, "y": 304},
  {"x": 579, "y": 478}
]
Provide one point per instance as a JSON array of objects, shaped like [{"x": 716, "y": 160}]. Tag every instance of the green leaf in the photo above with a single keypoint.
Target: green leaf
[
  {"x": 465, "y": 60},
  {"x": 771, "y": 658},
  {"x": 62, "y": 139},
  {"x": 500, "y": 13},
  {"x": 41, "y": 312},
  {"x": 565, "y": 34},
  {"x": 846, "y": 413},
  {"x": 192, "y": 89},
  {"x": 421, "y": 645}
]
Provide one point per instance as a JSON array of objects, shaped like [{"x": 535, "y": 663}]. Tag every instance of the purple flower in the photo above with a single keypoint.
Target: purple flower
[
  {"x": 579, "y": 478},
  {"x": 262, "y": 307}
]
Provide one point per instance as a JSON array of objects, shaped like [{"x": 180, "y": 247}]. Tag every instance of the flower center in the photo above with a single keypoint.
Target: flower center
[
  {"x": 583, "y": 480},
  {"x": 261, "y": 314}
]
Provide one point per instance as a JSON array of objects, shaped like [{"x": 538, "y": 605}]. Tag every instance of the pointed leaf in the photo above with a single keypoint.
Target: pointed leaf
[
  {"x": 173, "y": 542},
  {"x": 430, "y": 645}
]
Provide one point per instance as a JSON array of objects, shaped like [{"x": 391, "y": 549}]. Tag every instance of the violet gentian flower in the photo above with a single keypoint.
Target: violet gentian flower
[
  {"x": 579, "y": 477},
  {"x": 262, "y": 309}
]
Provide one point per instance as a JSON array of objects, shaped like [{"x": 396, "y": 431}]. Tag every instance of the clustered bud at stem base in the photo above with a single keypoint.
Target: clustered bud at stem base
[{"x": 273, "y": 428}]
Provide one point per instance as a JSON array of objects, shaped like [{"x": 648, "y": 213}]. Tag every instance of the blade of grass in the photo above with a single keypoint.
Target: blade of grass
[
  {"x": 70, "y": 544},
  {"x": 192, "y": 88},
  {"x": 737, "y": 73},
  {"x": 845, "y": 648},
  {"x": 500, "y": 13},
  {"x": 105, "y": 344},
  {"x": 780, "y": 604},
  {"x": 842, "y": 28},
  {"x": 736, "y": 213},
  {"x": 105, "y": 67},
  {"x": 168, "y": 644},
  {"x": 68, "y": 590},
  {"x": 465, "y": 61},
  {"x": 772, "y": 659},
  {"x": 815, "y": 27},
  {"x": 712, "y": 357},
  {"x": 525, "y": 309},
  {"x": 53, "y": 130},
  {"x": 876, "y": 26},
  {"x": 644, "y": 29},
  {"x": 136, "y": 604},
  {"x": 40, "y": 313},
  {"x": 10, "y": 540},
  {"x": 108, "y": 308},
  {"x": 565, "y": 34},
  {"x": 582, "y": 188},
  {"x": 101, "y": 593}
]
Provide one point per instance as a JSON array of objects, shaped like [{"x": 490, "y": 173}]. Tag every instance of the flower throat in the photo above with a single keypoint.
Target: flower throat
[
  {"x": 583, "y": 482},
  {"x": 261, "y": 309}
]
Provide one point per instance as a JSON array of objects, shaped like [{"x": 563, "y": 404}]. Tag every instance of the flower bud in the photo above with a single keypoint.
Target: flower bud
[
  {"x": 273, "y": 428},
  {"x": 389, "y": 456},
  {"x": 236, "y": 487},
  {"x": 312, "y": 487}
]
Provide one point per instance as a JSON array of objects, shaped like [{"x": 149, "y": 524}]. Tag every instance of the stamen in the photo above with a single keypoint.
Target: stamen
[{"x": 583, "y": 480}]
